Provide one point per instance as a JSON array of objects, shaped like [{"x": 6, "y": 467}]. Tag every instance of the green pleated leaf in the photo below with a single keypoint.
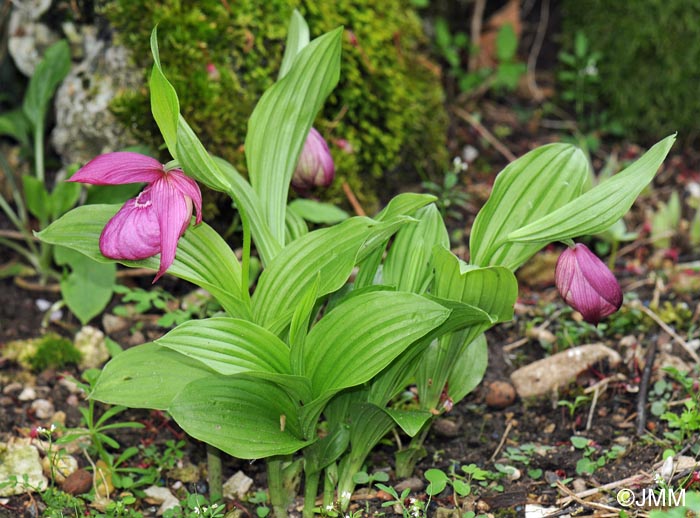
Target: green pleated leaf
[
  {"x": 196, "y": 161},
  {"x": 203, "y": 257},
  {"x": 295, "y": 226},
  {"x": 297, "y": 39},
  {"x": 470, "y": 367},
  {"x": 529, "y": 188},
  {"x": 405, "y": 204},
  {"x": 317, "y": 211},
  {"x": 249, "y": 419},
  {"x": 599, "y": 208},
  {"x": 165, "y": 105},
  {"x": 410, "y": 421},
  {"x": 359, "y": 338},
  {"x": 494, "y": 289},
  {"x": 146, "y": 376},
  {"x": 329, "y": 254},
  {"x": 247, "y": 199},
  {"x": 229, "y": 345},
  {"x": 326, "y": 450},
  {"x": 409, "y": 263},
  {"x": 281, "y": 121}
]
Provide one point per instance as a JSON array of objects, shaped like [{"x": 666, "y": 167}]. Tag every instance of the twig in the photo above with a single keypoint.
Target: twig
[
  {"x": 634, "y": 480},
  {"x": 514, "y": 345},
  {"x": 509, "y": 426},
  {"x": 33, "y": 286},
  {"x": 535, "y": 51},
  {"x": 644, "y": 389},
  {"x": 353, "y": 200},
  {"x": 135, "y": 272},
  {"x": 669, "y": 330},
  {"x": 490, "y": 138},
  {"x": 643, "y": 242},
  {"x": 576, "y": 498},
  {"x": 13, "y": 234},
  {"x": 475, "y": 30},
  {"x": 589, "y": 421}
]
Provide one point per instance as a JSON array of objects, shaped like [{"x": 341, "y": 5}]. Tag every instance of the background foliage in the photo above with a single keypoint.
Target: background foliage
[
  {"x": 388, "y": 105},
  {"x": 648, "y": 51}
]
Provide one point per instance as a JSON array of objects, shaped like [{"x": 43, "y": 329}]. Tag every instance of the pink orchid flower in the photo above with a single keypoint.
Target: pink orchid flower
[
  {"x": 152, "y": 222},
  {"x": 586, "y": 284},
  {"x": 315, "y": 167}
]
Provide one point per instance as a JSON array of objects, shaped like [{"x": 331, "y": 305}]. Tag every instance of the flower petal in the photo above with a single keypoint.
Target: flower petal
[
  {"x": 133, "y": 233},
  {"x": 188, "y": 187},
  {"x": 119, "y": 168},
  {"x": 173, "y": 213}
]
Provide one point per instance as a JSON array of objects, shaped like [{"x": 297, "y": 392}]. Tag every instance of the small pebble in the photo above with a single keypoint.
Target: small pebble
[
  {"x": 43, "y": 408},
  {"x": 414, "y": 484},
  {"x": 446, "y": 427},
  {"x": 77, "y": 483},
  {"x": 28, "y": 394},
  {"x": 499, "y": 394}
]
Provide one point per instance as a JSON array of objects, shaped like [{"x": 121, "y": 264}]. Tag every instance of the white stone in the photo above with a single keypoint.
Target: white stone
[
  {"x": 162, "y": 496},
  {"x": 237, "y": 486},
  {"x": 43, "y": 408},
  {"x": 90, "y": 341},
  {"x": 28, "y": 394},
  {"x": 20, "y": 462}
]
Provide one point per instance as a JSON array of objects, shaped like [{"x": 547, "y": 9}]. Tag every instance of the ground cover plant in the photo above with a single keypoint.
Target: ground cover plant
[
  {"x": 307, "y": 352},
  {"x": 341, "y": 359}
]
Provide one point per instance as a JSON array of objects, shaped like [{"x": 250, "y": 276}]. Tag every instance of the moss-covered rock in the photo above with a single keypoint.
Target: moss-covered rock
[
  {"x": 650, "y": 61},
  {"x": 386, "y": 115}
]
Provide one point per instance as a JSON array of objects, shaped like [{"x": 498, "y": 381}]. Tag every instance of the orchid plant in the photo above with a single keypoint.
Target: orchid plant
[{"x": 314, "y": 347}]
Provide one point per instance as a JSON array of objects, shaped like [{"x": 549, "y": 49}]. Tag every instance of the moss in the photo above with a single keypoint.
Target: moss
[
  {"x": 388, "y": 105},
  {"x": 650, "y": 61},
  {"x": 54, "y": 351}
]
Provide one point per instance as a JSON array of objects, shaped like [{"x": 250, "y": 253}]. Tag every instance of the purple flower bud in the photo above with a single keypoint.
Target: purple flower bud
[
  {"x": 315, "y": 167},
  {"x": 586, "y": 284}
]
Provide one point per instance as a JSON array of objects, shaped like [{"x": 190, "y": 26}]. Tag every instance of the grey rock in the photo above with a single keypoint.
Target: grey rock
[
  {"x": 28, "y": 38},
  {"x": 16, "y": 462},
  {"x": 85, "y": 126}
]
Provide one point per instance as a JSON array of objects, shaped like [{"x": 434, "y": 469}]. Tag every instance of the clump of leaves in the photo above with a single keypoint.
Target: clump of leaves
[{"x": 54, "y": 351}]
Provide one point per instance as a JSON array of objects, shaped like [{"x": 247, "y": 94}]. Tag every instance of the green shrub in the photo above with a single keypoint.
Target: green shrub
[
  {"x": 650, "y": 61},
  {"x": 388, "y": 105}
]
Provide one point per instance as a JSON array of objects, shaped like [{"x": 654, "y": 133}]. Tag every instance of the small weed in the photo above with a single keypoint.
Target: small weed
[
  {"x": 589, "y": 463},
  {"x": 410, "y": 507},
  {"x": 196, "y": 506},
  {"x": 261, "y": 499}
]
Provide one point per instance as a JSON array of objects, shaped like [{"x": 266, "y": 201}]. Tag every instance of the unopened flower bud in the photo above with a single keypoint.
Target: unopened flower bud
[
  {"x": 586, "y": 284},
  {"x": 315, "y": 167}
]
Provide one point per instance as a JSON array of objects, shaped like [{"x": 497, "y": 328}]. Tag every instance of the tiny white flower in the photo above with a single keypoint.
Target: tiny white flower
[
  {"x": 345, "y": 495},
  {"x": 40, "y": 429},
  {"x": 53, "y": 427},
  {"x": 329, "y": 507}
]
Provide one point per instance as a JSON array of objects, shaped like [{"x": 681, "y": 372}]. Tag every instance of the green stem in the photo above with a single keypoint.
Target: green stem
[
  {"x": 407, "y": 459},
  {"x": 39, "y": 151},
  {"x": 275, "y": 483},
  {"x": 311, "y": 481},
  {"x": 613, "y": 254},
  {"x": 16, "y": 192},
  {"x": 330, "y": 481},
  {"x": 216, "y": 489}
]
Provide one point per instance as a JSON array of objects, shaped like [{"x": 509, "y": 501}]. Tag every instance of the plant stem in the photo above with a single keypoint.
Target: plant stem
[
  {"x": 39, "y": 151},
  {"x": 407, "y": 459},
  {"x": 275, "y": 483},
  {"x": 216, "y": 490},
  {"x": 311, "y": 481},
  {"x": 330, "y": 480}
]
